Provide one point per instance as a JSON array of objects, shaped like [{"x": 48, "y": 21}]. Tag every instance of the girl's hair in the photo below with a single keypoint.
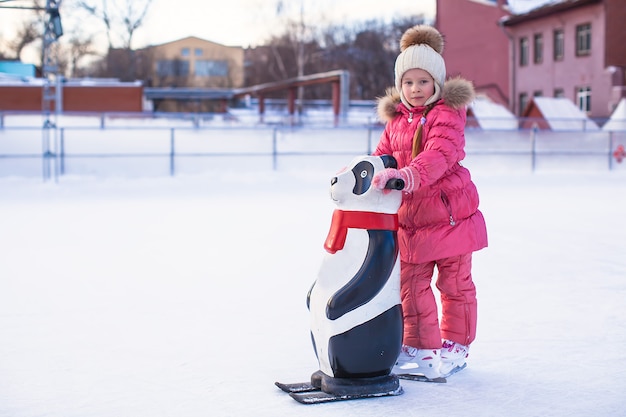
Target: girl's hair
[{"x": 417, "y": 139}]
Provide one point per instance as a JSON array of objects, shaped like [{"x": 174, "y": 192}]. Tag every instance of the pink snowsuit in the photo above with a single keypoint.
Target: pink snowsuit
[{"x": 440, "y": 224}]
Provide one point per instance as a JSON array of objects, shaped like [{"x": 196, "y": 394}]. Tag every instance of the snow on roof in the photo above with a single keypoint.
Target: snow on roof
[
  {"x": 562, "y": 114},
  {"x": 617, "y": 121},
  {"x": 524, "y": 6},
  {"x": 492, "y": 116},
  {"x": 13, "y": 79}
]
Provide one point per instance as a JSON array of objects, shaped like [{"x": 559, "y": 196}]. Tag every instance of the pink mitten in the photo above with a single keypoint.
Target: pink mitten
[{"x": 405, "y": 174}]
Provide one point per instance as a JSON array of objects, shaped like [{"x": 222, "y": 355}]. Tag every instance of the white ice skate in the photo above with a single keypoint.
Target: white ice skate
[
  {"x": 413, "y": 363},
  {"x": 453, "y": 357}
]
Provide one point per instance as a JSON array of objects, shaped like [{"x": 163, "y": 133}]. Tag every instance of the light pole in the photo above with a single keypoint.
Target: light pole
[
  {"x": 53, "y": 30},
  {"x": 51, "y": 98}
]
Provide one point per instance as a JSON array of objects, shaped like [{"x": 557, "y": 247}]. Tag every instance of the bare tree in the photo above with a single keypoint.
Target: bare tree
[
  {"x": 28, "y": 33},
  {"x": 121, "y": 19},
  {"x": 78, "y": 49},
  {"x": 298, "y": 33},
  {"x": 366, "y": 49},
  {"x": 101, "y": 13},
  {"x": 133, "y": 18}
]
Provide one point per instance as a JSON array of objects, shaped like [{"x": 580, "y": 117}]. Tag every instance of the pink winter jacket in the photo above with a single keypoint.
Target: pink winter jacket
[{"x": 440, "y": 218}]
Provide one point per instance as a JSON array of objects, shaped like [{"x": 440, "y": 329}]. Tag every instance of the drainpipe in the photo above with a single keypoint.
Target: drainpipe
[{"x": 512, "y": 70}]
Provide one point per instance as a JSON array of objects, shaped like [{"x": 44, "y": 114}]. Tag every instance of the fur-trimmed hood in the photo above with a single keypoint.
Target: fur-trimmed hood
[{"x": 457, "y": 92}]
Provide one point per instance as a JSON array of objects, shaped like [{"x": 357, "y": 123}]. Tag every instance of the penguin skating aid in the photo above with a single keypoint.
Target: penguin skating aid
[{"x": 354, "y": 304}]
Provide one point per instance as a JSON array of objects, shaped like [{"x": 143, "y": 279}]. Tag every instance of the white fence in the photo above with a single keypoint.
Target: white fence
[{"x": 142, "y": 147}]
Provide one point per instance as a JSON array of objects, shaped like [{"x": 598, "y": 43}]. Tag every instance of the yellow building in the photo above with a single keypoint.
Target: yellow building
[
  {"x": 195, "y": 62},
  {"x": 188, "y": 74}
]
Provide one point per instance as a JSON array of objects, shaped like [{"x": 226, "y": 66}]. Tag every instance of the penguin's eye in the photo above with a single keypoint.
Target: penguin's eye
[{"x": 362, "y": 172}]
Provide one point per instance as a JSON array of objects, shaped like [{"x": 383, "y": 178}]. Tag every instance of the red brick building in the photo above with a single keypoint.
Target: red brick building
[
  {"x": 76, "y": 97},
  {"x": 476, "y": 47},
  {"x": 574, "y": 49}
]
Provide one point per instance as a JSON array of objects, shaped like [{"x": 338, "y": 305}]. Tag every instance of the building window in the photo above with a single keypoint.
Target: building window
[
  {"x": 523, "y": 101},
  {"x": 583, "y": 39},
  {"x": 184, "y": 52},
  {"x": 197, "y": 52},
  {"x": 559, "y": 45},
  {"x": 538, "y": 48},
  {"x": 523, "y": 52},
  {"x": 209, "y": 68},
  {"x": 559, "y": 93},
  {"x": 583, "y": 98},
  {"x": 538, "y": 93},
  {"x": 172, "y": 68}
]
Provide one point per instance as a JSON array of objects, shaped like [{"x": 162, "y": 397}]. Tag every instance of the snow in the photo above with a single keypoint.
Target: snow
[
  {"x": 185, "y": 295},
  {"x": 493, "y": 116},
  {"x": 562, "y": 114},
  {"x": 525, "y": 6},
  {"x": 617, "y": 121}
]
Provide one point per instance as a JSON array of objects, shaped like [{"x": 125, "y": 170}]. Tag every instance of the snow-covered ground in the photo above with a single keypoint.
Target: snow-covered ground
[{"x": 185, "y": 297}]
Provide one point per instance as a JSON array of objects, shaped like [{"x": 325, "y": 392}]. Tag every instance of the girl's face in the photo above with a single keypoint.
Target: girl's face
[{"x": 417, "y": 86}]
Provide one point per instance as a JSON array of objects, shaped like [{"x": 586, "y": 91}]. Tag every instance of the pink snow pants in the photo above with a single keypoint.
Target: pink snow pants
[{"x": 458, "y": 302}]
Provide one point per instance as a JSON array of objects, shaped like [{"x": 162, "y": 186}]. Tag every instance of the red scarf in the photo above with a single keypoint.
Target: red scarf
[{"x": 344, "y": 220}]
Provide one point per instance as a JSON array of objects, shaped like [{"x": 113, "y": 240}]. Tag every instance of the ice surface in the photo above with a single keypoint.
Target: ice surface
[{"x": 185, "y": 297}]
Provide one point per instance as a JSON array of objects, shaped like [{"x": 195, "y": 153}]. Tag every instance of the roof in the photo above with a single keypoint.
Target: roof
[
  {"x": 491, "y": 115},
  {"x": 188, "y": 93},
  {"x": 12, "y": 80},
  {"x": 191, "y": 39},
  {"x": 557, "y": 6},
  {"x": 617, "y": 121},
  {"x": 17, "y": 68},
  {"x": 561, "y": 114},
  {"x": 16, "y": 80}
]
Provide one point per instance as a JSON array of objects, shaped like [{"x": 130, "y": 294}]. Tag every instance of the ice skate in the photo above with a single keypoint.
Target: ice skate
[
  {"x": 419, "y": 362},
  {"x": 453, "y": 357}
]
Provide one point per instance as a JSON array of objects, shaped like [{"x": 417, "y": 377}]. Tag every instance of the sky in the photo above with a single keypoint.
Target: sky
[
  {"x": 154, "y": 296},
  {"x": 248, "y": 22},
  {"x": 242, "y": 22}
]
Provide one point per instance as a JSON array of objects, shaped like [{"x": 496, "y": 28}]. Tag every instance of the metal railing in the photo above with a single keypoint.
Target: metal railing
[{"x": 90, "y": 149}]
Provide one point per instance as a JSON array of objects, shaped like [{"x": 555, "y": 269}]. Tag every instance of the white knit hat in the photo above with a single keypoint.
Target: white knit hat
[{"x": 421, "y": 47}]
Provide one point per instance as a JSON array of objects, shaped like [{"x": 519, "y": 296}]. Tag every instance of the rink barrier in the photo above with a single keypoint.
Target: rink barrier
[{"x": 533, "y": 144}]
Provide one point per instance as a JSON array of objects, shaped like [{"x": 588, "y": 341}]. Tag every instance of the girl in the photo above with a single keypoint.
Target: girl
[{"x": 440, "y": 224}]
